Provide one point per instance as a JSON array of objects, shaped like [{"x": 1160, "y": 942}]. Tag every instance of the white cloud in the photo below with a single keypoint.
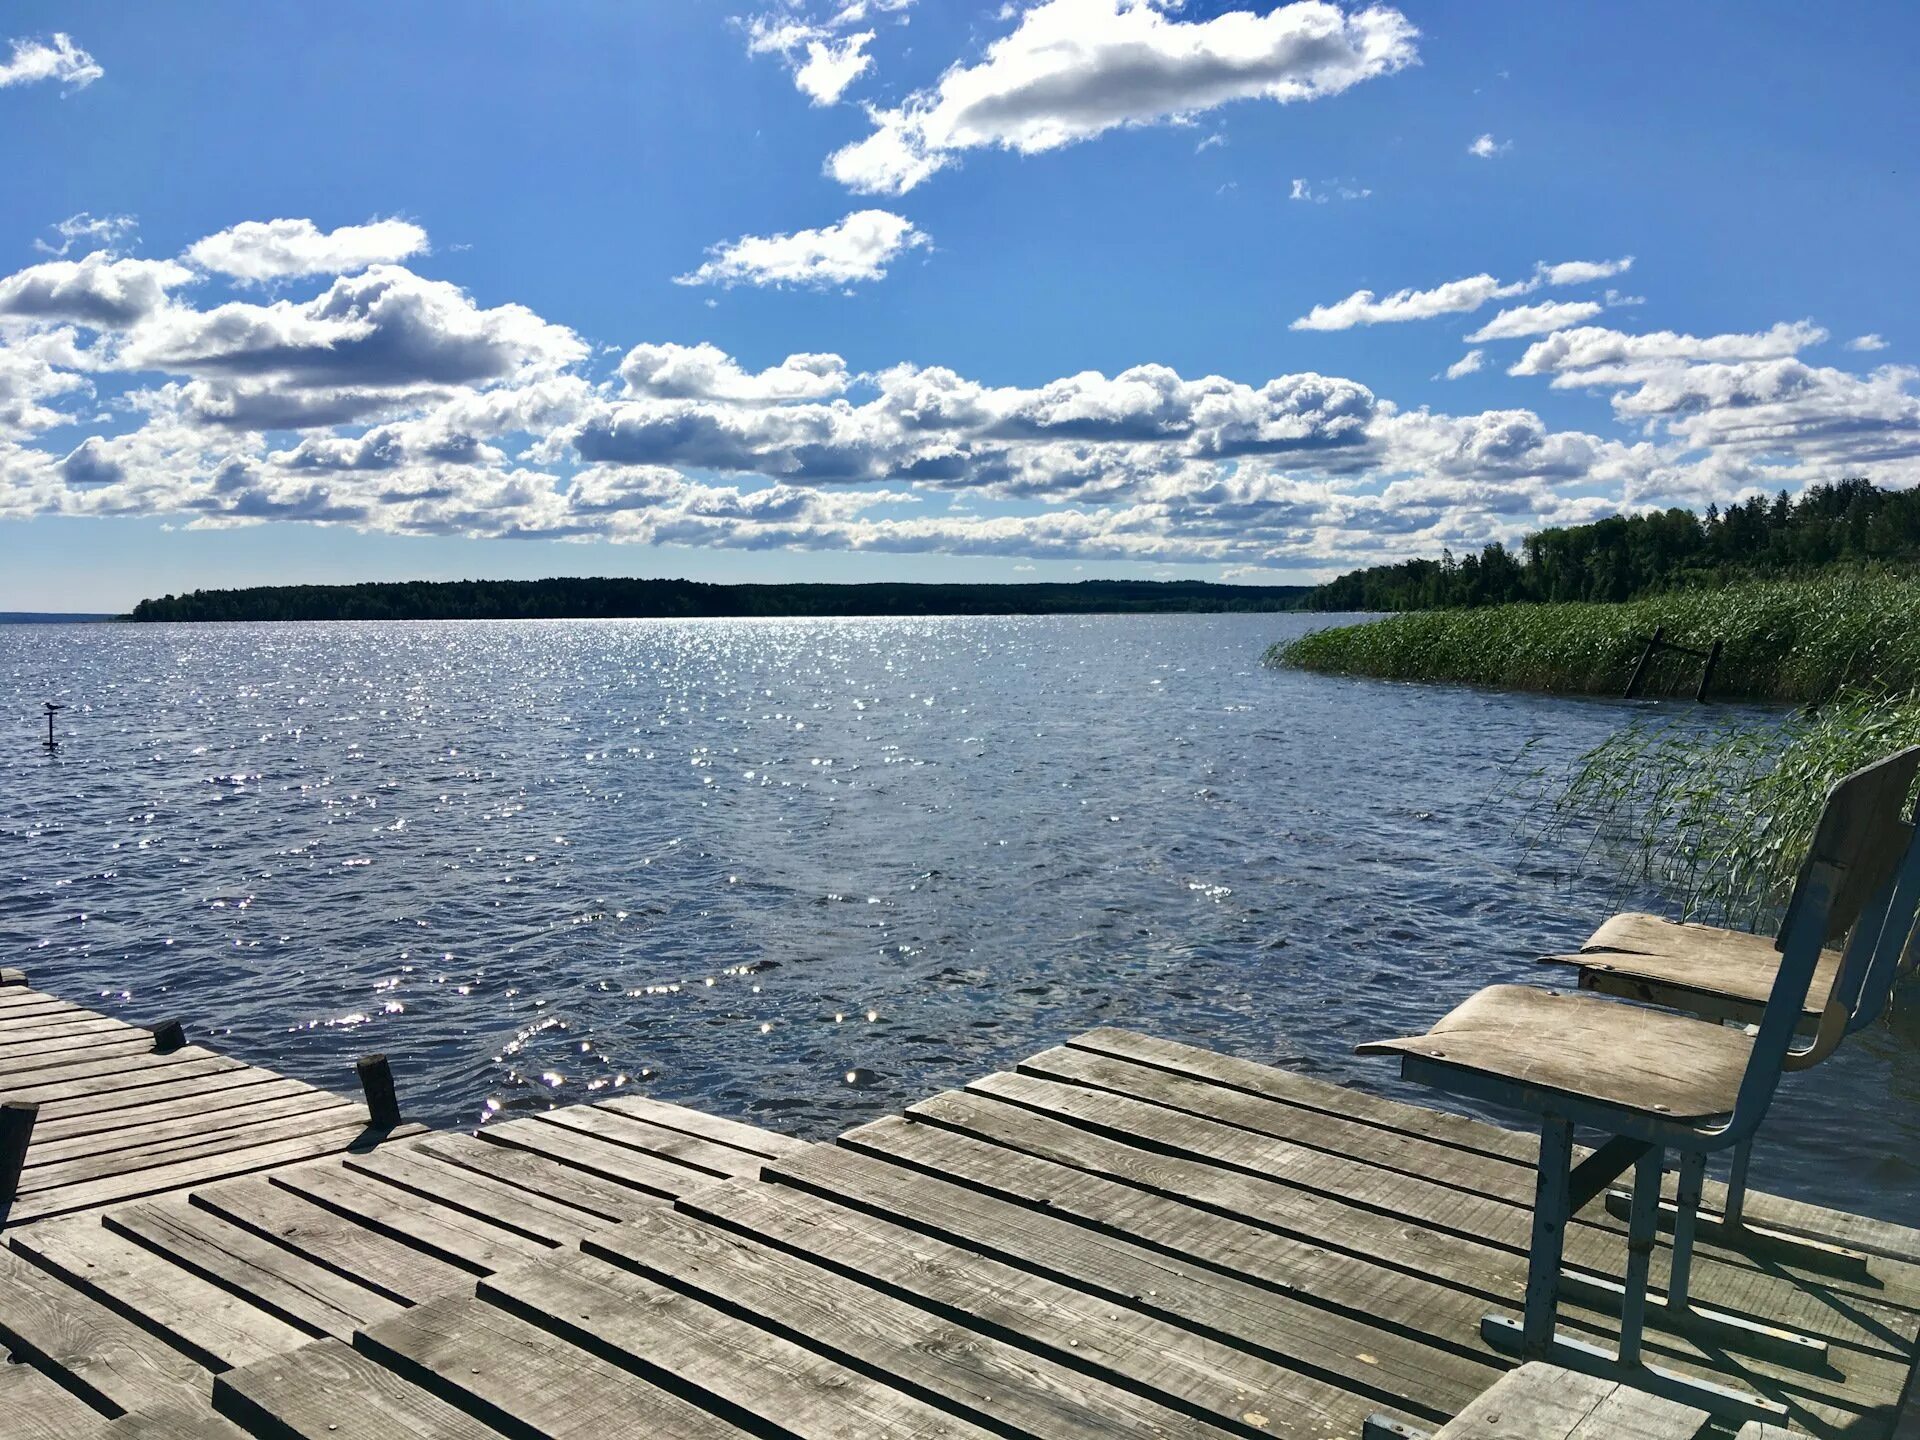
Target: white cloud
[
  {"x": 57, "y": 59},
  {"x": 1542, "y": 319},
  {"x": 88, "y": 231},
  {"x": 1326, "y": 190},
  {"x": 1866, "y": 342},
  {"x": 1363, "y": 307},
  {"x": 1486, "y": 147},
  {"x": 1468, "y": 364},
  {"x": 1581, "y": 272},
  {"x": 97, "y": 290},
  {"x": 859, "y": 247},
  {"x": 1074, "y": 69},
  {"x": 706, "y": 372},
  {"x": 823, "y": 65},
  {"x": 1591, "y": 346},
  {"x": 284, "y": 249}
]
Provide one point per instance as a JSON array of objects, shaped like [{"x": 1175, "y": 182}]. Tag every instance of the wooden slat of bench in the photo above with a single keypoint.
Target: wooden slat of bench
[
  {"x": 720, "y": 1162},
  {"x": 744, "y": 1369},
  {"x": 1878, "y": 1237},
  {"x": 448, "y": 1234},
  {"x": 769, "y": 1144},
  {"x": 525, "y": 1379},
  {"x": 205, "y": 1322},
  {"x": 598, "y": 1157},
  {"x": 184, "y": 1174},
  {"x": 116, "y": 1365},
  {"x": 1454, "y": 1180},
  {"x": 975, "y": 1374},
  {"x": 300, "y": 1395},
  {"x": 532, "y": 1215},
  {"x": 527, "y": 1171},
  {"x": 299, "y": 1291},
  {"x": 1397, "y": 1372},
  {"x": 33, "y": 1407},
  {"x": 1545, "y": 1402},
  {"x": 251, "y": 1127},
  {"x": 1470, "y": 1243},
  {"x": 390, "y": 1267},
  {"x": 1181, "y": 1368}
]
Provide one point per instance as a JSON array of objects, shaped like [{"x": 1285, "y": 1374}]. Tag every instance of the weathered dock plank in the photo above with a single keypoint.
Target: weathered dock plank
[{"x": 326, "y": 1391}]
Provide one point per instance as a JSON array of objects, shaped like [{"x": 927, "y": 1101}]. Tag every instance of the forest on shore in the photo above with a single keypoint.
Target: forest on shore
[
  {"x": 598, "y": 599},
  {"x": 1850, "y": 524}
]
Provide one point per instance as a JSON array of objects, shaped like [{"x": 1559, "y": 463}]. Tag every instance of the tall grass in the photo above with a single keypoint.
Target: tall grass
[
  {"x": 1791, "y": 640},
  {"x": 1717, "y": 818}
]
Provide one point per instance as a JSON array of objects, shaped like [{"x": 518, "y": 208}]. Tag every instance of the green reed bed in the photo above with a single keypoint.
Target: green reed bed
[
  {"x": 1716, "y": 817},
  {"x": 1789, "y": 640}
]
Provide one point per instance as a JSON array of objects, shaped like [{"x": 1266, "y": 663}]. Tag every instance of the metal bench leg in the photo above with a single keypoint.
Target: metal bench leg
[
  {"x": 1642, "y": 1230},
  {"x": 1731, "y": 1212},
  {"x": 1686, "y": 1219},
  {"x": 1551, "y": 1203}
]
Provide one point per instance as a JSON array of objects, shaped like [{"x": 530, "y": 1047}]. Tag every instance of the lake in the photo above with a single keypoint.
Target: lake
[{"x": 804, "y": 872}]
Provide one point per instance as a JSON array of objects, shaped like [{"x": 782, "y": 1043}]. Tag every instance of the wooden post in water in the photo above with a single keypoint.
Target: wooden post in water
[
  {"x": 1646, "y": 659},
  {"x": 168, "y": 1036},
  {"x": 16, "y": 1129},
  {"x": 1706, "y": 674},
  {"x": 376, "y": 1082}
]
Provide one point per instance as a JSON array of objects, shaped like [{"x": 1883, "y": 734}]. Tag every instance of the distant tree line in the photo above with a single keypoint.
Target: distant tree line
[
  {"x": 582, "y": 599},
  {"x": 1852, "y": 523}
]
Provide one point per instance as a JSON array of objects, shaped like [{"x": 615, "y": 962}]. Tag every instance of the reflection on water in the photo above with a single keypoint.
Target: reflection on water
[{"x": 804, "y": 871}]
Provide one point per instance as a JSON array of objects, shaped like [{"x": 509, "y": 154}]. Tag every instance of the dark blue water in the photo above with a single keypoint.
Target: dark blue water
[{"x": 801, "y": 871}]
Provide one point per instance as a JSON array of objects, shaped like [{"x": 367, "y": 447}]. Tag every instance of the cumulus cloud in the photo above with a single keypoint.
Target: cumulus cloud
[
  {"x": 1866, "y": 342},
  {"x": 1468, "y": 364},
  {"x": 396, "y": 403},
  {"x": 859, "y": 247},
  {"x": 1363, "y": 307},
  {"x": 57, "y": 59},
  {"x": 1519, "y": 320},
  {"x": 1582, "y": 272},
  {"x": 259, "y": 251},
  {"x": 823, "y": 65},
  {"x": 99, "y": 290},
  {"x": 1486, "y": 147},
  {"x": 1071, "y": 70}
]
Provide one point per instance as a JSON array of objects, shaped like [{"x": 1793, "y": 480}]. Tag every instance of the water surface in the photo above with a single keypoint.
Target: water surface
[{"x": 802, "y": 872}]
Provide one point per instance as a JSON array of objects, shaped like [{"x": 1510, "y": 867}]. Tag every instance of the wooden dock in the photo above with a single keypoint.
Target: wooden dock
[{"x": 1124, "y": 1236}]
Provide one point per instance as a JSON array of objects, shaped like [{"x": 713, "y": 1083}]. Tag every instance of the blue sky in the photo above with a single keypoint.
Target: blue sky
[{"x": 343, "y": 292}]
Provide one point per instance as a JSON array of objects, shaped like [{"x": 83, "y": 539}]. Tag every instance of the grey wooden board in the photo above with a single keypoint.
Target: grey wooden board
[
  {"x": 746, "y": 1370},
  {"x": 1192, "y": 1372},
  {"x": 216, "y": 1328},
  {"x": 1326, "y": 1347},
  {"x": 264, "y": 1126},
  {"x": 768, "y": 1144},
  {"x": 719, "y": 1162},
  {"x": 523, "y": 1378},
  {"x": 183, "y": 1174},
  {"x": 192, "y": 1119},
  {"x": 110, "y": 1092},
  {"x": 112, "y": 1058},
  {"x": 598, "y": 1157},
  {"x": 111, "y": 1361},
  {"x": 524, "y": 1212},
  {"x": 11, "y": 976},
  {"x": 325, "y": 1391},
  {"x": 1441, "y": 1322},
  {"x": 1444, "y": 1186},
  {"x": 951, "y": 1365},
  {"x": 536, "y": 1173},
  {"x": 1406, "y": 1223},
  {"x": 124, "y": 1115},
  {"x": 1545, "y": 1402},
  {"x": 391, "y": 1267},
  {"x": 171, "y": 1422},
  {"x": 25, "y": 1030},
  {"x": 1651, "y": 1062},
  {"x": 297, "y": 1290},
  {"x": 1861, "y": 1232},
  {"x": 33, "y": 1407},
  {"x": 126, "y": 1072},
  {"x": 442, "y": 1231}
]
